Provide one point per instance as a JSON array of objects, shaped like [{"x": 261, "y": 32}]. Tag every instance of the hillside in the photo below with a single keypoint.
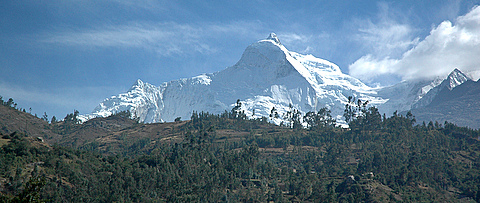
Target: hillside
[
  {"x": 230, "y": 158},
  {"x": 12, "y": 121}
]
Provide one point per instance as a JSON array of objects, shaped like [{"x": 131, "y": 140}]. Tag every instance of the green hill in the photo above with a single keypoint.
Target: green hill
[{"x": 227, "y": 158}]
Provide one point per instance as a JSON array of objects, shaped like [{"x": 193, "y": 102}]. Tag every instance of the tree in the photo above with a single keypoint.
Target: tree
[
  {"x": 371, "y": 118},
  {"x": 310, "y": 118},
  {"x": 9, "y": 102},
  {"x": 350, "y": 111},
  {"x": 323, "y": 118},
  {"x": 32, "y": 190},
  {"x": 296, "y": 119},
  {"x": 54, "y": 119},
  {"x": 45, "y": 116},
  {"x": 411, "y": 117},
  {"x": 273, "y": 113},
  {"x": 72, "y": 118},
  {"x": 357, "y": 115},
  {"x": 123, "y": 114},
  {"x": 293, "y": 116},
  {"x": 237, "y": 112}
]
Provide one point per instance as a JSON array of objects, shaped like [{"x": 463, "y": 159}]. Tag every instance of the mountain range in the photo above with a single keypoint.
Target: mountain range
[{"x": 269, "y": 76}]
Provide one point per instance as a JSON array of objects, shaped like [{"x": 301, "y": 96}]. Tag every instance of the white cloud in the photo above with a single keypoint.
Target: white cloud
[
  {"x": 448, "y": 46},
  {"x": 368, "y": 67},
  {"x": 165, "y": 38},
  {"x": 386, "y": 37}
]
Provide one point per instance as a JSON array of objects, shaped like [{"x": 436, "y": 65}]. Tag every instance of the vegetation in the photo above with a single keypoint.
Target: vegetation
[
  {"x": 228, "y": 157},
  {"x": 9, "y": 102}
]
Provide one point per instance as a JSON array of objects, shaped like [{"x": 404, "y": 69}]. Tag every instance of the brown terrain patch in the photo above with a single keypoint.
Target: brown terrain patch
[{"x": 12, "y": 120}]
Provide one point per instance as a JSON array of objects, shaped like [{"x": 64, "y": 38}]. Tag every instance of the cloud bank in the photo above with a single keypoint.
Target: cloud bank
[{"x": 448, "y": 46}]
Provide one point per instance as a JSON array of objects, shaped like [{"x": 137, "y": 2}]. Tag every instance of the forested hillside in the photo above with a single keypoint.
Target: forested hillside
[{"x": 228, "y": 158}]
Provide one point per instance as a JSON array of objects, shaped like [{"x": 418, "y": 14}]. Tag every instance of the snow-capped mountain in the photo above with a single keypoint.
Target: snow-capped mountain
[
  {"x": 402, "y": 96},
  {"x": 266, "y": 76},
  {"x": 145, "y": 99},
  {"x": 454, "y": 79},
  {"x": 412, "y": 94},
  {"x": 459, "y": 105}
]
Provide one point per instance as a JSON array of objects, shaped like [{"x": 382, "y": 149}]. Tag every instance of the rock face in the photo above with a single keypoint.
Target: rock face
[
  {"x": 270, "y": 76},
  {"x": 266, "y": 76}
]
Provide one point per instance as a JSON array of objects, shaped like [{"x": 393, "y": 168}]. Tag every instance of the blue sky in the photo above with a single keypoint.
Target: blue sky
[{"x": 57, "y": 56}]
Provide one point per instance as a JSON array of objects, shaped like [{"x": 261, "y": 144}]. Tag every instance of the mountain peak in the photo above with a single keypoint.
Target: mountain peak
[
  {"x": 274, "y": 38},
  {"x": 456, "y": 78},
  {"x": 266, "y": 76},
  {"x": 456, "y": 72},
  {"x": 138, "y": 83}
]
